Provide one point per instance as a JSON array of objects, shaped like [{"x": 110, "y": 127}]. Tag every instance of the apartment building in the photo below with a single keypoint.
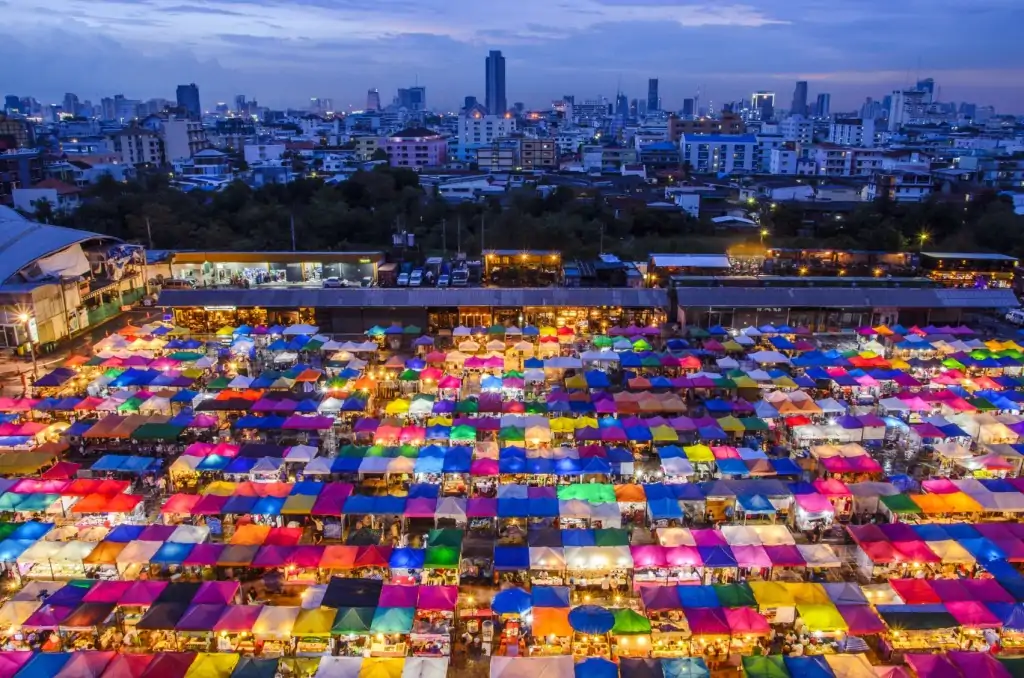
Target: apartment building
[
  {"x": 727, "y": 123},
  {"x": 720, "y": 153}
]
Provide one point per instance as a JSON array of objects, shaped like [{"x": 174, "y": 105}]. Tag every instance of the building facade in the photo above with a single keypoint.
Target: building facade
[
  {"x": 728, "y": 123},
  {"x": 188, "y": 99},
  {"x": 720, "y": 153},
  {"x": 476, "y": 130},
  {"x": 139, "y": 146},
  {"x": 415, "y": 148},
  {"x": 496, "y": 101},
  {"x": 538, "y": 154},
  {"x": 852, "y": 132}
]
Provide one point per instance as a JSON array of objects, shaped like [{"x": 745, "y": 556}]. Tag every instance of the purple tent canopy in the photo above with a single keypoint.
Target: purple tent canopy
[
  {"x": 200, "y": 617},
  {"x": 398, "y": 596},
  {"x": 366, "y": 425},
  {"x": 422, "y": 507},
  {"x": 480, "y": 507},
  {"x": 301, "y": 423}
]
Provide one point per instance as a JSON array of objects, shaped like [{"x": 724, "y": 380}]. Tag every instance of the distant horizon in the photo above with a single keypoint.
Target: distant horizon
[{"x": 339, "y": 49}]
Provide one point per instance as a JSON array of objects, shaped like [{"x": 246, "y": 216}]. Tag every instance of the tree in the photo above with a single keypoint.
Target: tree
[
  {"x": 379, "y": 154},
  {"x": 43, "y": 211}
]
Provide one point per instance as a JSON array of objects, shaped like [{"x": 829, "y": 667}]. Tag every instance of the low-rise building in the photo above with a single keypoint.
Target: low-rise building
[
  {"x": 416, "y": 148},
  {"x": 19, "y": 168},
  {"x": 720, "y": 153},
  {"x": 263, "y": 154},
  {"x": 476, "y": 130},
  {"x": 366, "y": 146},
  {"x": 727, "y": 123},
  {"x": 183, "y": 138},
  {"x": 852, "y": 132},
  {"x": 846, "y": 161},
  {"x": 660, "y": 155},
  {"x": 61, "y": 196},
  {"x": 538, "y": 154},
  {"x": 139, "y": 146},
  {"x": 899, "y": 186},
  {"x": 501, "y": 155},
  {"x": 797, "y": 128}
]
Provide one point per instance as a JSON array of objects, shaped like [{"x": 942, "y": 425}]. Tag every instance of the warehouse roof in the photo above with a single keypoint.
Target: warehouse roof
[
  {"x": 398, "y": 297},
  {"x": 840, "y": 297},
  {"x": 23, "y": 241}
]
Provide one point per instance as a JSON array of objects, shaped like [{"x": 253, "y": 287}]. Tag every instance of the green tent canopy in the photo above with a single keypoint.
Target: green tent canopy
[
  {"x": 442, "y": 558},
  {"x": 629, "y": 622},
  {"x": 900, "y": 504},
  {"x": 735, "y": 595},
  {"x": 354, "y": 620}
]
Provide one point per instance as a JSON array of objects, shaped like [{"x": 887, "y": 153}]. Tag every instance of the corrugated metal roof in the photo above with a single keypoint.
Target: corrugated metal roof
[
  {"x": 23, "y": 241},
  {"x": 422, "y": 297},
  {"x": 850, "y": 297},
  {"x": 691, "y": 260}
]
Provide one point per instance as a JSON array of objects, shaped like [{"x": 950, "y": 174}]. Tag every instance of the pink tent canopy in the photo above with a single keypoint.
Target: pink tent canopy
[
  {"x": 484, "y": 467},
  {"x": 746, "y": 621},
  {"x": 707, "y": 621},
  {"x": 973, "y": 614},
  {"x": 915, "y": 591},
  {"x": 420, "y": 507},
  {"x": 398, "y": 596},
  {"x": 89, "y": 663},
  {"x": 648, "y": 555},
  {"x": 298, "y": 422},
  {"x": 437, "y": 598},
  {"x": 932, "y": 665},
  {"x": 814, "y": 503},
  {"x": 861, "y": 619},
  {"x": 978, "y": 665},
  {"x": 209, "y": 505},
  {"x": 11, "y": 662},
  {"x": 106, "y": 592},
  {"x": 306, "y": 556},
  {"x": 751, "y": 556},
  {"x": 785, "y": 555},
  {"x": 939, "y": 486},
  {"x": 142, "y": 593},
  {"x": 204, "y": 555},
  {"x": 916, "y": 552},
  {"x": 708, "y": 538},
  {"x": 682, "y": 556},
  {"x": 216, "y": 592},
  {"x": 238, "y": 618},
  {"x": 481, "y": 507}
]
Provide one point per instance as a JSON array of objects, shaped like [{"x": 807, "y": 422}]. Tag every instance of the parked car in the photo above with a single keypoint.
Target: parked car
[
  {"x": 333, "y": 281},
  {"x": 416, "y": 279},
  {"x": 403, "y": 279},
  {"x": 443, "y": 280},
  {"x": 460, "y": 277},
  {"x": 1016, "y": 316}
]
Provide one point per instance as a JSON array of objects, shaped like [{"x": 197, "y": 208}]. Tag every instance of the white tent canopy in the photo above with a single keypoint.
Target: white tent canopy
[{"x": 532, "y": 667}]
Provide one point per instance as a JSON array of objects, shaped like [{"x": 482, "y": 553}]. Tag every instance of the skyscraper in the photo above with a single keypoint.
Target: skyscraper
[
  {"x": 12, "y": 104},
  {"x": 689, "y": 108},
  {"x": 70, "y": 105},
  {"x": 494, "y": 76},
  {"x": 241, "y": 107},
  {"x": 928, "y": 87},
  {"x": 763, "y": 104},
  {"x": 469, "y": 102},
  {"x": 799, "y": 105},
  {"x": 621, "y": 105},
  {"x": 413, "y": 99},
  {"x": 188, "y": 98},
  {"x": 653, "y": 102},
  {"x": 373, "y": 99},
  {"x": 824, "y": 105}
]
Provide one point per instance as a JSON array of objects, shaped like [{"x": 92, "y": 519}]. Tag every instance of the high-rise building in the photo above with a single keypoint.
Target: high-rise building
[
  {"x": 689, "y": 109},
  {"x": 799, "y": 105},
  {"x": 928, "y": 87},
  {"x": 373, "y": 99},
  {"x": 653, "y": 102},
  {"x": 906, "y": 105},
  {"x": 188, "y": 99},
  {"x": 241, "y": 106},
  {"x": 763, "y": 104},
  {"x": 12, "y": 104},
  {"x": 70, "y": 105},
  {"x": 125, "y": 109},
  {"x": 469, "y": 102},
  {"x": 621, "y": 105},
  {"x": 822, "y": 108},
  {"x": 494, "y": 76},
  {"x": 413, "y": 99},
  {"x": 634, "y": 108}
]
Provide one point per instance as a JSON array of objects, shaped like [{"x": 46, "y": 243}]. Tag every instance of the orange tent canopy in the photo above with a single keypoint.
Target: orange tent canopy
[{"x": 551, "y": 621}]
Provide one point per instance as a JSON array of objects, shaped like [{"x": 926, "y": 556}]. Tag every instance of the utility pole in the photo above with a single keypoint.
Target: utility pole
[
  {"x": 444, "y": 236},
  {"x": 601, "y": 244},
  {"x": 483, "y": 231},
  {"x": 458, "y": 234},
  {"x": 149, "y": 233},
  {"x": 293, "y": 232}
]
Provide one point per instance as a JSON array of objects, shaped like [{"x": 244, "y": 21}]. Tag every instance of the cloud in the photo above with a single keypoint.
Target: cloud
[
  {"x": 285, "y": 51},
  {"x": 199, "y": 9}
]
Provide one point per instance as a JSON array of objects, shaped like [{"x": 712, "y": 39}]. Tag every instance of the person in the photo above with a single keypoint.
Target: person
[
  {"x": 467, "y": 638},
  {"x": 797, "y": 650}
]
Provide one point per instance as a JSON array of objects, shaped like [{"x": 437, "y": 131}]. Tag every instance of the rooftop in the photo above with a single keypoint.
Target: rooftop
[
  {"x": 23, "y": 242},
  {"x": 414, "y": 133},
  {"x": 59, "y": 186},
  {"x": 722, "y": 138},
  {"x": 986, "y": 256}
]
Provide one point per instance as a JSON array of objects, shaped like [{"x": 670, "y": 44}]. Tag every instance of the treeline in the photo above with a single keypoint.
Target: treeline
[{"x": 365, "y": 211}]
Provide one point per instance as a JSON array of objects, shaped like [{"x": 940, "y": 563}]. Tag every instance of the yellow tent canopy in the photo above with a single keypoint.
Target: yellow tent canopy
[
  {"x": 699, "y": 453},
  {"x": 381, "y": 667},
  {"x": 824, "y": 617},
  {"x": 213, "y": 665},
  {"x": 808, "y": 594},
  {"x": 771, "y": 594}
]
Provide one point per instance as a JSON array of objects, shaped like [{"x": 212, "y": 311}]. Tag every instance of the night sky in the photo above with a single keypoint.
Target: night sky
[{"x": 283, "y": 52}]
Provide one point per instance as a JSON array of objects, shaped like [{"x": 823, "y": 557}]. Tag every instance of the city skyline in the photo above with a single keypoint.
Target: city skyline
[{"x": 147, "y": 47}]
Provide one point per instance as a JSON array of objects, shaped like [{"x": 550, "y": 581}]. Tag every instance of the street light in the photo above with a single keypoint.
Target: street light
[
  {"x": 764, "y": 234},
  {"x": 24, "y": 318},
  {"x": 923, "y": 237}
]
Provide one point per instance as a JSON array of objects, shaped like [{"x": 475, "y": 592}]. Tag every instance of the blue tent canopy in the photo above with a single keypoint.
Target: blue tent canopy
[
  {"x": 698, "y": 596},
  {"x": 685, "y": 667},
  {"x": 513, "y": 600},
  {"x": 172, "y": 553},
  {"x": 239, "y": 504},
  {"x": 755, "y": 503},
  {"x": 123, "y": 534},
  {"x": 513, "y": 508},
  {"x": 550, "y": 596},
  {"x": 808, "y": 667},
  {"x": 596, "y": 667},
  {"x": 511, "y": 558},
  {"x": 716, "y": 556},
  {"x": 664, "y": 508},
  {"x": 784, "y": 466},
  {"x": 578, "y": 538},
  {"x": 268, "y": 506},
  {"x": 592, "y": 619},
  {"x": 407, "y": 558}
]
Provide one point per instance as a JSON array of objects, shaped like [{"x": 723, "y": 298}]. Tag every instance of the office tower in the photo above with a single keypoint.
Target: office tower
[
  {"x": 241, "y": 106},
  {"x": 634, "y": 108},
  {"x": 928, "y": 87},
  {"x": 688, "y": 107},
  {"x": 70, "y": 105},
  {"x": 413, "y": 98},
  {"x": 188, "y": 98},
  {"x": 621, "y": 105},
  {"x": 469, "y": 102},
  {"x": 569, "y": 99},
  {"x": 373, "y": 99},
  {"x": 12, "y": 104},
  {"x": 763, "y": 104},
  {"x": 906, "y": 105},
  {"x": 968, "y": 110},
  {"x": 823, "y": 106},
  {"x": 519, "y": 107},
  {"x": 653, "y": 102},
  {"x": 495, "y": 83},
  {"x": 799, "y": 105}
]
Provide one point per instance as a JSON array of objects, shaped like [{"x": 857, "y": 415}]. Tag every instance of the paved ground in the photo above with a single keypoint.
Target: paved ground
[{"x": 12, "y": 367}]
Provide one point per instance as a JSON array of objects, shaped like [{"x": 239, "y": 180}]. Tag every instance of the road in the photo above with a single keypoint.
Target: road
[{"x": 12, "y": 366}]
